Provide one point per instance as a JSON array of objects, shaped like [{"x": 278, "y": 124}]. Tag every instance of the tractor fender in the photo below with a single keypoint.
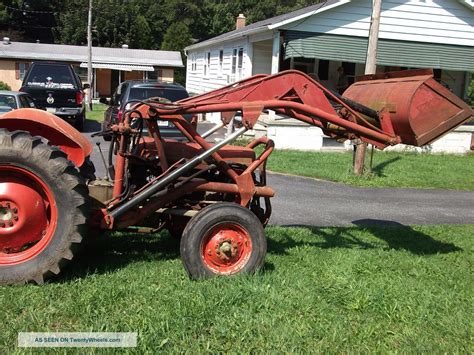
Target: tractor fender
[{"x": 54, "y": 129}]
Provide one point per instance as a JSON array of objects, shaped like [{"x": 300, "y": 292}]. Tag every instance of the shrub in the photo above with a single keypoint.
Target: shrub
[{"x": 4, "y": 86}]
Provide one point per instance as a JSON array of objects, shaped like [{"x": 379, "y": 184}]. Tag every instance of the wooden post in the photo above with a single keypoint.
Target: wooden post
[{"x": 370, "y": 68}]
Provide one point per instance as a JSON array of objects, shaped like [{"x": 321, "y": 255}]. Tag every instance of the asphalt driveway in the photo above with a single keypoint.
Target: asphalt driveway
[{"x": 310, "y": 202}]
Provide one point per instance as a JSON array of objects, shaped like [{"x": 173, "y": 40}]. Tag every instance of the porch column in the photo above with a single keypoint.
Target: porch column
[{"x": 276, "y": 52}]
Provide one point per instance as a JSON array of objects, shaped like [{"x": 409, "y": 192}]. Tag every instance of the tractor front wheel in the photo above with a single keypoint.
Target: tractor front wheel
[
  {"x": 223, "y": 239},
  {"x": 43, "y": 208}
]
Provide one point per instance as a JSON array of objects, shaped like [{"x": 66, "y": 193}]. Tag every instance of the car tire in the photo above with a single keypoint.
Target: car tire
[{"x": 80, "y": 122}]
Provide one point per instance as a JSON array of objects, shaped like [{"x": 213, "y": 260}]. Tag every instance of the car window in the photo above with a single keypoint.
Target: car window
[
  {"x": 51, "y": 76},
  {"x": 171, "y": 94},
  {"x": 24, "y": 102},
  {"x": 30, "y": 101},
  {"x": 8, "y": 101},
  {"x": 118, "y": 95}
]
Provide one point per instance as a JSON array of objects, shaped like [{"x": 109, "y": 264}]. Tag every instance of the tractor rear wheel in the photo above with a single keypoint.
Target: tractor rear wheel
[
  {"x": 223, "y": 239},
  {"x": 43, "y": 209}
]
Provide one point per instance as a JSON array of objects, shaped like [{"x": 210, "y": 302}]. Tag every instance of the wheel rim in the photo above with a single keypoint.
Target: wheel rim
[
  {"x": 28, "y": 215},
  {"x": 226, "y": 248}
]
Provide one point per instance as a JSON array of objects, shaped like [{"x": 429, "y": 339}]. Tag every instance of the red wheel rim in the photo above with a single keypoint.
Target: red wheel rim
[
  {"x": 28, "y": 215},
  {"x": 226, "y": 248}
]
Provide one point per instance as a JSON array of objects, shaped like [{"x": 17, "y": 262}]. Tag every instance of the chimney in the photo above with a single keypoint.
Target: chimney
[
  {"x": 37, "y": 41},
  {"x": 125, "y": 46},
  {"x": 6, "y": 40},
  {"x": 240, "y": 21}
]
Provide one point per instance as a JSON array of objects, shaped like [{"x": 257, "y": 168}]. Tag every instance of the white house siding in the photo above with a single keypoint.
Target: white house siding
[
  {"x": 197, "y": 83},
  {"x": 433, "y": 21}
]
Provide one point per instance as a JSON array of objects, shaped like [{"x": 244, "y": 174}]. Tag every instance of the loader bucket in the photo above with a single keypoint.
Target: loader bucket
[{"x": 421, "y": 109}]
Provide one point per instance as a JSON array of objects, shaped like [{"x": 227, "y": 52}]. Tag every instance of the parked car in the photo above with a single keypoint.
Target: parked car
[
  {"x": 12, "y": 100},
  {"x": 56, "y": 88},
  {"x": 133, "y": 91}
]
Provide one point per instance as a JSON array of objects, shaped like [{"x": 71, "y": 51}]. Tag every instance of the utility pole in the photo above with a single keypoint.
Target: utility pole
[
  {"x": 89, "y": 55},
  {"x": 370, "y": 68}
]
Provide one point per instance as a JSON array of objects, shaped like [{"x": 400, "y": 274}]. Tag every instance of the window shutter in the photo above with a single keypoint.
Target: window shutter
[{"x": 17, "y": 71}]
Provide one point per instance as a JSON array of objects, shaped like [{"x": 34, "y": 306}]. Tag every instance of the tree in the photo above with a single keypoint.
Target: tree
[
  {"x": 176, "y": 38},
  {"x": 140, "y": 33}
]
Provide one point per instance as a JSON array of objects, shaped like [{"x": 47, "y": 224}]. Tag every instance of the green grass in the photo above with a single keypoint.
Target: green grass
[
  {"x": 390, "y": 169},
  {"x": 97, "y": 113},
  {"x": 354, "y": 289}
]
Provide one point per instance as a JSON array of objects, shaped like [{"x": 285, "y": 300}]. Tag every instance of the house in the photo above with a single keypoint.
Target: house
[
  {"x": 110, "y": 66},
  {"x": 319, "y": 39}
]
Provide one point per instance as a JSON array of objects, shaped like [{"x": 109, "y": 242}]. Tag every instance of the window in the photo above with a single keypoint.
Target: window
[
  {"x": 240, "y": 62},
  {"x": 193, "y": 62},
  {"x": 52, "y": 76},
  {"x": 207, "y": 63},
  {"x": 234, "y": 61},
  {"x": 81, "y": 72},
  {"x": 21, "y": 69},
  {"x": 157, "y": 74},
  {"x": 237, "y": 63},
  {"x": 323, "y": 69},
  {"x": 221, "y": 60},
  {"x": 349, "y": 70}
]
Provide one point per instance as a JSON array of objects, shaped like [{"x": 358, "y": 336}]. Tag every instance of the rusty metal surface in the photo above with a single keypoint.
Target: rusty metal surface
[{"x": 420, "y": 109}]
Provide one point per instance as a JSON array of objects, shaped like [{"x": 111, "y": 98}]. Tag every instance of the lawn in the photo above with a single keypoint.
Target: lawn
[
  {"x": 351, "y": 289},
  {"x": 390, "y": 169},
  {"x": 97, "y": 113}
]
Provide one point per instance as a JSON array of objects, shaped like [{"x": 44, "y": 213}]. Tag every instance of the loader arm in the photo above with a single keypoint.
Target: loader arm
[{"x": 407, "y": 107}]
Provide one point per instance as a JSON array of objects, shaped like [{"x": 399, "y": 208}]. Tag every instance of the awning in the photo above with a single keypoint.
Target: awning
[
  {"x": 123, "y": 67},
  {"x": 391, "y": 53}
]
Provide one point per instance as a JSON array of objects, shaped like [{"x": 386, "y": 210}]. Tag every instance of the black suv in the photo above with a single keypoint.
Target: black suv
[
  {"x": 132, "y": 91},
  {"x": 56, "y": 88}
]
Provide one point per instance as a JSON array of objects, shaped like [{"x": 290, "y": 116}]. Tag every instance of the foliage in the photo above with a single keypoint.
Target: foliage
[
  {"x": 176, "y": 38},
  {"x": 139, "y": 23},
  {"x": 4, "y": 86},
  {"x": 365, "y": 289},
  {"x": 146, "y": 24}
]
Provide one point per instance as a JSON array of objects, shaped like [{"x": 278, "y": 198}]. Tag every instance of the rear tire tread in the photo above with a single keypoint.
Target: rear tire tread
[{"x": 54, "y": 164}]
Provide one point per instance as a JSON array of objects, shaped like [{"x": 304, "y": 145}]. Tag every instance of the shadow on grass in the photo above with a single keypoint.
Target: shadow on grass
[
  {"x": 111, "y": 251},
  {"x": 378, "y": 169},
  {"x": 396, "y": 236}
]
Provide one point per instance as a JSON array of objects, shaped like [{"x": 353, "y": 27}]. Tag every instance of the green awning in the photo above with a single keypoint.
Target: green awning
[{"x": 390, "y": 53}]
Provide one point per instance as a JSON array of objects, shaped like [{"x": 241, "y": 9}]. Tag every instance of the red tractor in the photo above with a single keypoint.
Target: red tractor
[{"x": 214, "y": 197}]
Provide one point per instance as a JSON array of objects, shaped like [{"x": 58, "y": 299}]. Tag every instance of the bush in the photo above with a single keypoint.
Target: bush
[{"x": 4, "y": 86}]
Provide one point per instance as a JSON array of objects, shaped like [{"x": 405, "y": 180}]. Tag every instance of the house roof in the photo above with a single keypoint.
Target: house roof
[
  {"x": 271, "y": 23},
  {"x": 61, "y": 52},
  {"x": 281, "y": 20}
]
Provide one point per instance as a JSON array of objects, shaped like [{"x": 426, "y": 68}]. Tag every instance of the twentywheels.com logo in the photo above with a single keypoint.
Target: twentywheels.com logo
[{"x": 105, "y": 340}]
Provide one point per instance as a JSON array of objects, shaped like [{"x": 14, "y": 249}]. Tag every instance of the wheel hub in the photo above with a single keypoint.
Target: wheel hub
[
  {"x": 227, "y": 248},
  {"x": 8, "y": 214}
]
